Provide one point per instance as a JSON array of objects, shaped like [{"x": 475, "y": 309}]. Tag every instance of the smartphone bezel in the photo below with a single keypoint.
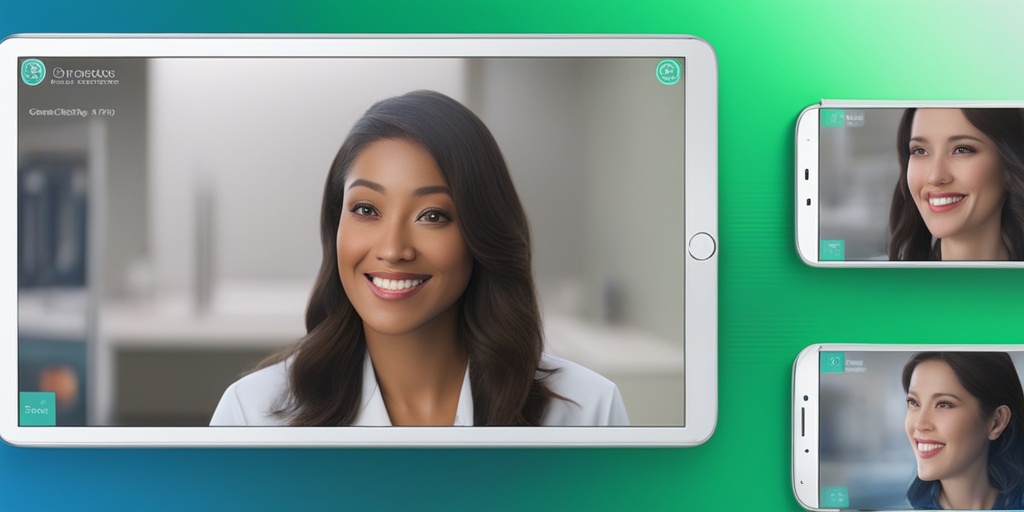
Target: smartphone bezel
[
  {"x": 807, "y": 182},
  {"x": 806, "y": 370},
  {"x": 805, "y": 427}
]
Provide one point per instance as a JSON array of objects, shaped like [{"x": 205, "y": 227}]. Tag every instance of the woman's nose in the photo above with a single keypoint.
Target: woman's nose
[
  {"x": 923, "y": 421},
  {"x": 939, "y": 173},
  {"x": 396, "y": 244}
]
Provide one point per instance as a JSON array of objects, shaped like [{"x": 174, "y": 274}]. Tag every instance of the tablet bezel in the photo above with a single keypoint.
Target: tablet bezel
[{"x": 700, "y": 216}]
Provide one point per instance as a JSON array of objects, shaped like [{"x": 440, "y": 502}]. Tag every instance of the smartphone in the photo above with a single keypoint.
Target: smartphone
[
  {"x": 863, "y": 442},
  {"x": 899, "y": 183}
]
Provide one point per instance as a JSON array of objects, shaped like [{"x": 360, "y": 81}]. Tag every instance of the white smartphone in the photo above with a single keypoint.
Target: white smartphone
[
  {"x": 883, "y": 427},
  {"x": 904, "y": 183}
]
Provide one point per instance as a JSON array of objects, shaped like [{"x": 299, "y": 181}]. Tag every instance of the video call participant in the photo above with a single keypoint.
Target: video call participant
[
  {"x": 960, "y": 192},
  {"x": 424, "y": 311},
  {"x": 965, "y": 423}
]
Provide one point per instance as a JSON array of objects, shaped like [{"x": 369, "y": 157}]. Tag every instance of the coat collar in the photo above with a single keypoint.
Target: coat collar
[{"x": 373, "y": 412}]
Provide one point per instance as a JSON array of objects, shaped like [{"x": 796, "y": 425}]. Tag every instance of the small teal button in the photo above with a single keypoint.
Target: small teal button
[
  {"x": 32, "y": 71},
  {"x": 835, "y": 497},
  {"x": 832, "y": 250},
  {"x": 833, "y": 362},
  {"x": 832, "y": 118},
  {"x": 37, "y": 409},
  {"x": 669, "y": 71}
]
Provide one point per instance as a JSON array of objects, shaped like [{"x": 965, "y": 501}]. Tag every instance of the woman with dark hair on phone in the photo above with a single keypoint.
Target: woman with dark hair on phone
[
  {"x": 424, "y": 310},
  {"x": 965, "y": 423},
  {"x": 960, "y": 192}
]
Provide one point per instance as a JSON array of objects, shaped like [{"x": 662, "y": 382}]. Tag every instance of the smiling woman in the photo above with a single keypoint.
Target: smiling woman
[
  {"x": 424, "y": 310},
  {"x": 960, "y": 192},
  {"x": 965, "y": 424}
]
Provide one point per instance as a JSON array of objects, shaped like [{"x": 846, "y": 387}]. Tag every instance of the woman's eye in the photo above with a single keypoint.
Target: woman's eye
[
  {"x": 962, "y": 150},
  {"x": 434, "y": 217},
  {"x": 918, "y": 151},
  {"x": 364, "y": 210},
  {"x": 944, "y": 405},
  {"x": 911, "y": 402}
]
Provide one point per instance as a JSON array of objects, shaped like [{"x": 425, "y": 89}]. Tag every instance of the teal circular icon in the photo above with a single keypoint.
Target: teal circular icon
[
  {"x": 32, "y": 71},
  {"x": 669, "y": 71}
]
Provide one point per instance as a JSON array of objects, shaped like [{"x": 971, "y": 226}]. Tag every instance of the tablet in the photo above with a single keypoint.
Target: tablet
[{"x": 166, "y": 243}]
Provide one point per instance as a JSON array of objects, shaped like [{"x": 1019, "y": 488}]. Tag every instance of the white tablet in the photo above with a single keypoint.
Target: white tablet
[{"x": 268, "y": 241}]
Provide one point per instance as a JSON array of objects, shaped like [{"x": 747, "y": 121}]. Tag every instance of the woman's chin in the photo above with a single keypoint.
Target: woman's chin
[{"x": 926, "y": 474}]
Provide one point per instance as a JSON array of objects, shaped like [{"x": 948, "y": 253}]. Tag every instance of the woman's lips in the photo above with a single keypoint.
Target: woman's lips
[
  {"x": 395, "y": 286},
  {"x": 941, "y": 203},
  {"x": 927, "y": 448}
]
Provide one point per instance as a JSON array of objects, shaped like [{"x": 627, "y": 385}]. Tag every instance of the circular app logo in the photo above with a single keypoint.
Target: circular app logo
[
  {"x": 32, "y": 71},
  {"x": 669, "y": 71}
]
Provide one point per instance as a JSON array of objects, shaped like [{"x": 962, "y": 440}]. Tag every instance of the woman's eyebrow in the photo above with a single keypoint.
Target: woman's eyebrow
[
  {"x": 422, "y": 191},
  {"x": 437, "y": 189},
  {"x": 952, "y": 138},
  {"x": 368, "y": 184},
  {"x": 964, "y": 137}
]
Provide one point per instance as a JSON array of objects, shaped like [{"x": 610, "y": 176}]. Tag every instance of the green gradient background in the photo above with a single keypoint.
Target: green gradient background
[{"x": 775, "y": 58}]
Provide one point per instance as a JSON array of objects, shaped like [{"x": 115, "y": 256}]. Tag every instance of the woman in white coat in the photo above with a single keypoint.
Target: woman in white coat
[{"x": 424, "y": 310}]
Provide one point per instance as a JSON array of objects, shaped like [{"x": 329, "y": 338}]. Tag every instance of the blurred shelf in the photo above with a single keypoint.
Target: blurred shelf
[
  {"x": 240, "y": 316},
  {"x": 53, "y": 313}
]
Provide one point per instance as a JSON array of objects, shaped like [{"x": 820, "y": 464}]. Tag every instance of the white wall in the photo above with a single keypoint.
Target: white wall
[
  {"x": 594, "y": 148},
  {"x": 264, "y": 132}
]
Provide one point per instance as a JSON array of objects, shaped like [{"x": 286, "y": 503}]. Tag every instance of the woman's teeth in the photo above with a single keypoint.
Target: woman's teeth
[
  {"x": 943, "y": 201},
  {"x": 396, "y": 284}
]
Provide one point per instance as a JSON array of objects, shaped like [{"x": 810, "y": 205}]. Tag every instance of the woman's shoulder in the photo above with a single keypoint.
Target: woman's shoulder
[
  {"x": 251, "y": 399},
  {"x": 589, "y": 399}
]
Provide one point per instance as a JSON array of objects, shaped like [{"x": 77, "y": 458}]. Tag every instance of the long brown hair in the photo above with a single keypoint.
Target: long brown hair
[
  {"x": 499, "y": 319},
  {"x": 909, "y": 236}
]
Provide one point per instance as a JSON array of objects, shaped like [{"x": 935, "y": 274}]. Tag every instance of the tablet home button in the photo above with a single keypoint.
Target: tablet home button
[{"x": 702, "y": 246}]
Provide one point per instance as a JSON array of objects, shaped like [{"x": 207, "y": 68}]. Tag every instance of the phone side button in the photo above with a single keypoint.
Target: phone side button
[{"x": 702, "y": 246}]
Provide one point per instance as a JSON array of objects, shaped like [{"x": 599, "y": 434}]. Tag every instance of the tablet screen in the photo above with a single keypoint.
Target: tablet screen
[{"x": 169, "y": 218}]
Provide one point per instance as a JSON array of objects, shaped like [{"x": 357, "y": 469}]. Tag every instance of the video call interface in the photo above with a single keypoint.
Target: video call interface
[
  {"x": 169, "y": 209},
  {"x": 867, "y": 461},
  {"x": 944, "y": 212}
]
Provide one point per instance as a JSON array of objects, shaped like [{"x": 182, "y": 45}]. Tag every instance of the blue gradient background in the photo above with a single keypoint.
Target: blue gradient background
[{"x": 775, "y": 58}]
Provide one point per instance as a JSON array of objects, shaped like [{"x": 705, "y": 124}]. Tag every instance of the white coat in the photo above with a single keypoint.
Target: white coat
[{"x": 595, "y": 400}]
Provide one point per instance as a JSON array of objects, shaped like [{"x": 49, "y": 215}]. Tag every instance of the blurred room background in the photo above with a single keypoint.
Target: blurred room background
[
  {"x": 858, "y": 171},
  {"x": 182, "y": 237}
]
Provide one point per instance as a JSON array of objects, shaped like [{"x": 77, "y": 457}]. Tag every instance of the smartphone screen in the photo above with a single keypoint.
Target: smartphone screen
[
  {"x": 911, "y": 184},
  {"x": 882, "y": 447}
]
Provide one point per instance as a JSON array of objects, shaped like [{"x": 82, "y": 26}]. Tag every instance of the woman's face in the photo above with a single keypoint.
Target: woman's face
[
  {"x": 954, "y": 174},
  {"x": 401, "y": 255},
  {"x": 944, "y": 423}
]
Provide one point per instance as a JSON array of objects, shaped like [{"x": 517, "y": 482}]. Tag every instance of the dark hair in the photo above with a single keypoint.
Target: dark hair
[
  {"x": 499, "y": 318},
  {"x": 909, "y": 236},
  {"x": 991, "y": 378}
]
